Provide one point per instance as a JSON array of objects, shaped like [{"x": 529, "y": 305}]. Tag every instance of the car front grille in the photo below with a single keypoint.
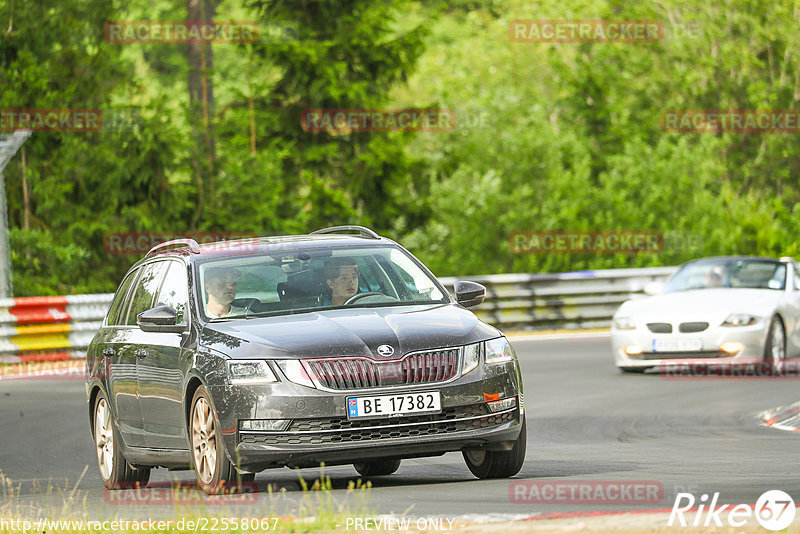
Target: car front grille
[
  {"x": 341, "y": 430},
  {"x": 363, "y": 373},
  {"x": 660, "y": 328},
  {"x": 687, "y": 328}
]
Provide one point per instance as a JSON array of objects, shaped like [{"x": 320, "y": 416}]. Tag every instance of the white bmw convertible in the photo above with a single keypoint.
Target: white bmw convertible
[{"x": 731, "y": 310}]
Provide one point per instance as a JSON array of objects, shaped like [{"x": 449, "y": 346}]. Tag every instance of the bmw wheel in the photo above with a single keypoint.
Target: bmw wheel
[
  {"x": 498, "y": 464},
  {"x": 215, "y": 473},
  {"x": 775, "y": 347},
  {"x": 638, "y": 370},
  {"x": 115, "y": 471}
]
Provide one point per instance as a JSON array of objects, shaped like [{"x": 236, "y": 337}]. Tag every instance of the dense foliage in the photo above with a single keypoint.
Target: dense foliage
[{"x": 548, "y": 136}]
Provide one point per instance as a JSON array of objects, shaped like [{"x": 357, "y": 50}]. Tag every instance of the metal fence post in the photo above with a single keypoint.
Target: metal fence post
[{"x": 9, "y": 145}]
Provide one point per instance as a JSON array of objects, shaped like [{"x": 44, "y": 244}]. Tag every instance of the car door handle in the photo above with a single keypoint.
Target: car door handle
[
  {"x": 108, "y": 352},
  {"x": 140, "y": 353}
]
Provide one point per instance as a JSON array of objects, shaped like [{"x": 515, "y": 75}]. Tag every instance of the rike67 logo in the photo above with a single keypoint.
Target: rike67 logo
[{"x": 774, "y": 510}]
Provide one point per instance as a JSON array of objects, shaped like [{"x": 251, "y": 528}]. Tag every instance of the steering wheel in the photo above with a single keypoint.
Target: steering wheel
[{"x": 359, "y": 296}]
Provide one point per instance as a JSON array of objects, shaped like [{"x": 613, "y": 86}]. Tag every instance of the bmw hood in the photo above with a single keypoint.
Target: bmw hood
[
  {"x": 347, "y": 332},
  {"x": 709, "y": 305}
]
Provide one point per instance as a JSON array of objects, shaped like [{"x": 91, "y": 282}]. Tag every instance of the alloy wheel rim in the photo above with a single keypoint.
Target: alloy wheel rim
[
  {"x": 204, "y": 441},
  {"x": 104, "y": 439},
  {"x": 476, "y": 457},
  {"x": 777, "y": 344}
]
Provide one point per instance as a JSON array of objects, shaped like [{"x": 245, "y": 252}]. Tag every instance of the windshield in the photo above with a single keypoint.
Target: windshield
[
  {"x": 740, "y": 273},
  {"x": 313, "y": 280}
]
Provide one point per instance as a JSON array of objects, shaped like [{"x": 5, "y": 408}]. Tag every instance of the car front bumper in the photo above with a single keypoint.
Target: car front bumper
[
  {"x": 321, "y": 432},
  {"x": 752, "y": 338}
]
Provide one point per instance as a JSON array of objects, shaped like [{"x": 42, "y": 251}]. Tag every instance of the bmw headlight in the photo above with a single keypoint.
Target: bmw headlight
[
  {"x": 624, "y": 323},
  {"x": 249, "y": 372},
  {"x": 741, "y": 319},
  {"x": 499, "y": 351}
]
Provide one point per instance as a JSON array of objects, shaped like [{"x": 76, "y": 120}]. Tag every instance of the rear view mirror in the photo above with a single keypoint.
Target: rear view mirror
[
  {"x": 159, "y": 319},
  {"x": 654, "y": 288},
  {"x": 469, "y": 294}
]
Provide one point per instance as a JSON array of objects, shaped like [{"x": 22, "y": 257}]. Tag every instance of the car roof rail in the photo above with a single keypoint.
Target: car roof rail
[
  {"x": 363, "y": 231},
  {"x": 189, "y": 242}
]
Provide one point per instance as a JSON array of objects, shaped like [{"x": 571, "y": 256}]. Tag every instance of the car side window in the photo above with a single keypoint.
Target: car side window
[
  {"x": 120, "y": 299},
  {"x": 796, "y": 277},
  {"x": 175, "y": 292},
  {"x": 146, "y": 289}
]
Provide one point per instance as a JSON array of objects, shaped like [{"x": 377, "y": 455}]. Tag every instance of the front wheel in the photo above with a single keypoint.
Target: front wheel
[
  {"x": 377, "y": 468},
  {"x": 775, "y": 347},
  {"x": 215, "y": 473},
  {"x": 115, "y": 471},
  {"x": 498, "y": 464},
  {"x": 638, "y": 370}
]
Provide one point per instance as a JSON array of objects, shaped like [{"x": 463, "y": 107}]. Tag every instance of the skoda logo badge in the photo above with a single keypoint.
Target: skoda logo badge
[{"x": 385, "y": 351}]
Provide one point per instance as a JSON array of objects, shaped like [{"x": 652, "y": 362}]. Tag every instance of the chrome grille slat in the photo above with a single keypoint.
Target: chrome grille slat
[{"x": 362, "y": 373}]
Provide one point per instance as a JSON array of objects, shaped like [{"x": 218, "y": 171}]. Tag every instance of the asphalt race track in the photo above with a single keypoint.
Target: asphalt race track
[{"x": 586, "y": 422}]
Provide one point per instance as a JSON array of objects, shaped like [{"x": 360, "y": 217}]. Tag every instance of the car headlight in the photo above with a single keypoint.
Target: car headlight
[
  {"x": 248, "y": 372},
  {"x": 295, "y": 372},
  {"x": 624, "y": 323},
  {"x": 472, "y": 357},
  {"x": 498, "y": 351},
  {"x": 741, "y": 319}
]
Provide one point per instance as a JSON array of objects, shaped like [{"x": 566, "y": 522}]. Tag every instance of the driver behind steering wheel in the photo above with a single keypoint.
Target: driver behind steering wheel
[{"x": 341, "y": 276}]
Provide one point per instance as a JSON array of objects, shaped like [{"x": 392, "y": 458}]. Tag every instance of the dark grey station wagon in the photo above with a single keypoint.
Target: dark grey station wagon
[{"x": 229, "y": 358}]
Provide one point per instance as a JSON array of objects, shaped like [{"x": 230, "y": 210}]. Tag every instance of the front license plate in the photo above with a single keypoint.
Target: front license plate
[
  {"x": 393, "y": 405},
  {"x": 677, "y": 345}
]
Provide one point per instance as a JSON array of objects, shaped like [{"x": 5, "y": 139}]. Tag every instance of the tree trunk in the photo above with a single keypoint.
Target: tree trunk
[{"x": 201, "y": 100}]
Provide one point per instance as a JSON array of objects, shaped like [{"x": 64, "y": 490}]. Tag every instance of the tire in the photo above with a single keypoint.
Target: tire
[
  {"x": 498, "y": 464},
  {"x": 775, "y": 346},
  {"x": 378, "y": 468},
  {"x": 637, "y": 370},
  {"x": 115, "y": 471},
  {"x": 215, "y": 473}
]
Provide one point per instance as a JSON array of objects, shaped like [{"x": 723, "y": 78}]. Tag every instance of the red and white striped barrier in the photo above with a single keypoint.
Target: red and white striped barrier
[{"x": 49, "y": 328}]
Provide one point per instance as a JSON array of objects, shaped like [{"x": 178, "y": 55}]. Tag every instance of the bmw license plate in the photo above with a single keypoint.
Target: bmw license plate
[
  {"x": 393, "y": 405},
  {"x": 677, "y": 345}
]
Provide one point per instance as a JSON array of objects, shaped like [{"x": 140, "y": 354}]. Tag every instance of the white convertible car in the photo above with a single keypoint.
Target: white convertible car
[{"x": 731, "y": 310}]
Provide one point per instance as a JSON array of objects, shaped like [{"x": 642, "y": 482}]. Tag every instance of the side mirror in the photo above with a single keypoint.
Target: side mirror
[
  {"x": 654, "y": 288},
  {"x": 159, "y": 319},
  {"x": 469, "y": 294}
]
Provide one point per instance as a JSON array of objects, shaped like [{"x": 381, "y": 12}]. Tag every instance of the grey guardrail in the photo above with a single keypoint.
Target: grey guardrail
[
  {"x": 581, "y": 299},
  {"x": 36, "y": 328}
]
